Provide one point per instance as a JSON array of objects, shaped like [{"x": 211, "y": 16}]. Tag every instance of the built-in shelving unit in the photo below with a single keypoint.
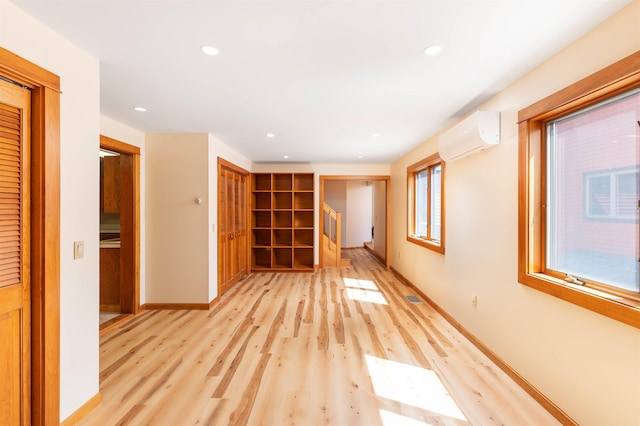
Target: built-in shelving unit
[{"x": 282, "y": 211}]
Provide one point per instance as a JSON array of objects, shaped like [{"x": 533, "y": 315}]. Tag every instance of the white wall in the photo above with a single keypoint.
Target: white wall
[
  {"x": 177, "y": 171},
  {"x": 586, "y": 363},
  {"x": 79, "y": 195},
  {"x": 359, "y": 202},
  {"x": 218, "y": 149},
  {"x": 379, "y": 217},
  {"x": 324, "y": 170},
  {"x": 123, "y": 133}
]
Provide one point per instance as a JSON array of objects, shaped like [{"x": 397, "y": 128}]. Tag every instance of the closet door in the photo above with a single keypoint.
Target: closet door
[
  {"x": 232, "y": 212},
  {"x": 15, "y": 292}
]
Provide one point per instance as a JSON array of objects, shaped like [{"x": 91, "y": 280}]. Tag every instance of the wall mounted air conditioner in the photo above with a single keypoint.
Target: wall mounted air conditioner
[{"x": 481, "y": 130}]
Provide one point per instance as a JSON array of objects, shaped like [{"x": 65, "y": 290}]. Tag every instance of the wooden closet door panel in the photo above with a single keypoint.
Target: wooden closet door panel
[
  {"x": 222, "y": 226},
  {"x": 242, "y": 229},
  {"x": 231, "y": 223},
  {"x": 232, "y": 214},
  {"x": 15, "y": 225}
]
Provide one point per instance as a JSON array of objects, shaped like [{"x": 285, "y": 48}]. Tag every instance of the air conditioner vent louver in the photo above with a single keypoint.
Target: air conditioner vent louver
[{"x": 479, "y": 131}]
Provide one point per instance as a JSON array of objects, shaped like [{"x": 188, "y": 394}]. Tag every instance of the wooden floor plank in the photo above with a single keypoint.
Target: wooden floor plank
[{"x": 339, "y": 346}]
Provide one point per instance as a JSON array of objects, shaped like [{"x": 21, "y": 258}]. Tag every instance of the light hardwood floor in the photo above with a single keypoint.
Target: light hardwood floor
[{"x": 334, "y": 347}]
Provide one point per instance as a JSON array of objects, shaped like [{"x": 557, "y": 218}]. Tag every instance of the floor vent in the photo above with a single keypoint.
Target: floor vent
[{"x": 412, "y": 299}]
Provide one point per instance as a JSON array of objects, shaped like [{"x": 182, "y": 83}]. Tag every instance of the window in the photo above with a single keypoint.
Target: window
[
  {"x": 579, "y": 212},
  {"x": 425, "y": 183},
  {"x": 611, "y": 195}
]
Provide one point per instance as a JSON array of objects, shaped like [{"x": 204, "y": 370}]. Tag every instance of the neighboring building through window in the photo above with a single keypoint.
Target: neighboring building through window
[
  {"x": 425, "y": 183},
  {"x": 579, "y": 213}
]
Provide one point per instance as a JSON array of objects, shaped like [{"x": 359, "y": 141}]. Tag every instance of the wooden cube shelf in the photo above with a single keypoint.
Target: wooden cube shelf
[{"x": 282, "y": 221}]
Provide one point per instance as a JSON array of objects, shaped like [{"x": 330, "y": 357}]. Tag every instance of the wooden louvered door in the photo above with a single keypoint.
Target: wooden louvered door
[
  {"x": 232, "y": 216},
  {"x": 15, "y": 324}
]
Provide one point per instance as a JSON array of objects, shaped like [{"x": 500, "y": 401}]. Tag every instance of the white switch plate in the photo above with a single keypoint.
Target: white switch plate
[{"x": 78, "y": 249}]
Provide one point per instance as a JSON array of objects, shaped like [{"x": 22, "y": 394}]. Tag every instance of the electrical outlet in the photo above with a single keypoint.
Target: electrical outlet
[
  {"x": 78, "y": 249},
  {"x": 474, "y": 300}
]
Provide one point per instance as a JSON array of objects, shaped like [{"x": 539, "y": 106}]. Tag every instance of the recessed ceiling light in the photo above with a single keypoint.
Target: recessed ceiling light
[
  {"x": 360, "y": 156},
  {"x": 270, "y": 135},
  {"x": 209, "y": 50},
  {"x": 433, "y": 50},
  {"x": 285, "y": 156},
  {"x": 140, "y": 109},
  {"x": 375, "y": 135}
]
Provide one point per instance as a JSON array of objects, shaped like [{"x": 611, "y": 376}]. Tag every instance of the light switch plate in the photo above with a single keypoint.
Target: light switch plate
[{"x": 78, "y": 249}]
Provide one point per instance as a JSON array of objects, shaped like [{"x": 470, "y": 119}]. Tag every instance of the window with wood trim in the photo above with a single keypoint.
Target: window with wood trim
[
  {"x": 425, "y": 203},
  {"x": 579, "y": 211}
]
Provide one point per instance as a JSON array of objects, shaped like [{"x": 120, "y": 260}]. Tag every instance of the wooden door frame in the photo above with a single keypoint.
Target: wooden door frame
[
  {"x": 45, "y": 233},
  {"x": 129, "y": 222},
  {"x": 229, "y": 165},
  {"x": 387, "y": 180}
]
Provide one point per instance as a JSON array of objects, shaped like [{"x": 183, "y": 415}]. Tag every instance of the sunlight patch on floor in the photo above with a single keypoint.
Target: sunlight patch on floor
[
  {"x": 389, "y": 418},
  {"x": 357, "y": 283},
  {"x": 366, "y": 296},
  {"x": 410, "y": 385},
  {"x": 364, "y": 291}
]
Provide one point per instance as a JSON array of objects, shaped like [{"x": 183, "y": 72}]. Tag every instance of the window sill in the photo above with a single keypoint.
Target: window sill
[
  {"x": 616, "y": 307},
  {"x": 437, "y": 247}
]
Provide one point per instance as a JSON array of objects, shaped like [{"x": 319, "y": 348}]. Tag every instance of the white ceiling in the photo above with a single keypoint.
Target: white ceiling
[{"x": 323, "y": 76}]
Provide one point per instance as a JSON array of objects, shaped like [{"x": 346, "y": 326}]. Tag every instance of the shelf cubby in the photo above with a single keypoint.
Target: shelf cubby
[
  {"x": 282, "y": 258},
  {"x": 282, "y": 182},
  {"x": 282, "y": 200},
  {"x": 261, "y": 258},
  {"x": 303, "y": 201},
  {"x": 282, "y": 237},
  {"x": 303, "y": 182},
  {"x": 303, "y": 238},
  {"x": 261, "y": 238},
  {"x": 303, "y": 258},
  {"x": 261, "y": 201},
  {"x": 260, "y": 219},
  {"x": 261, "y": 182},
  {"x": 303, "y": 219},
  {"x": 282, "y": 219}
]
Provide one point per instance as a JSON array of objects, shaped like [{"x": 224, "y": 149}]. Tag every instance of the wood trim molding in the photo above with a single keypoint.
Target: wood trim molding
[
  {"x": 45, "y": 233},
  {"x": 545, "y": 402},
  {"x": 83, "y": 411},
  {"x": 20, "y": 70},
  {"x": 176, "y": 306},
  {"x": 130, "y": 221},
  {"x": 235, "y": 168},
  {"x": 625, "y": 72},
  {"x": 118, "y": 146}
]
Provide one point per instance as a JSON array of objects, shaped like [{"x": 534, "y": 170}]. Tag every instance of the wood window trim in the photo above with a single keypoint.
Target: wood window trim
[
  {"x": 412, "y": 170},
  {"x": 45, "y": 233},
  {"x": 610, "y": 81}
]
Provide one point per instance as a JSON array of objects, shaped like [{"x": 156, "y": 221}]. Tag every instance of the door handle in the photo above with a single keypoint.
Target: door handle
[
  {"x": 231, "y": 237},
  {"x": 238, "y": 235}
]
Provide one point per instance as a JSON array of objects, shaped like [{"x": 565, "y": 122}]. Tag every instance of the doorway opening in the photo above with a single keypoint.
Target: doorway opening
[
  {"x": 119, "y": 232},
  {"x": 370, "y": 212}
]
